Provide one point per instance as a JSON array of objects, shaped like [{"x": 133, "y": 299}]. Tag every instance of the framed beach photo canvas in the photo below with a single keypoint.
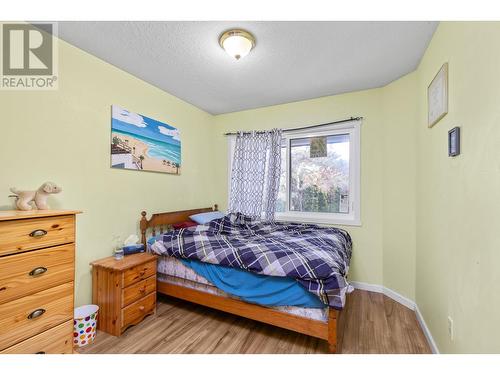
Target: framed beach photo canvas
[
  {"x": 437, "y": 96},
  {"x": 141, "y": 143}
]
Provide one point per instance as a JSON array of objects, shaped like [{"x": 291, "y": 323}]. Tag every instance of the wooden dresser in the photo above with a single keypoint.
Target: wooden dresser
[
  {"x": 124, "y": 290},
  {"x": 37, "y": 271}
]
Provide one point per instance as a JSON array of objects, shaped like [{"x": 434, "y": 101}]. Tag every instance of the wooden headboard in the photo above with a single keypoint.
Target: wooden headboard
[{"x": 164, "y": 220}]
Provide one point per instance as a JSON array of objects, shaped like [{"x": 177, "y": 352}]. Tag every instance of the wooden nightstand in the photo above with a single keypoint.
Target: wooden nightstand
[{"x": 124, "y": 290}]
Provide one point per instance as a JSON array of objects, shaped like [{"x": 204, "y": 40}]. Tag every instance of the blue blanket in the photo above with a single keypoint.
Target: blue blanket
[
  {"x": 250, "y": 287},
  {"x": 316, "y": 257}
]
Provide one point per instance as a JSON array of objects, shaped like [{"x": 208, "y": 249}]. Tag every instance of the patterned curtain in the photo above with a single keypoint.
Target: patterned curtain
[{"x": 255, "y": 174}]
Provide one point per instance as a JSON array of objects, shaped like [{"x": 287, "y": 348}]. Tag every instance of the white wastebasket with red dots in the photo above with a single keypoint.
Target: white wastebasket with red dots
[{"x": 85, "y": 325}]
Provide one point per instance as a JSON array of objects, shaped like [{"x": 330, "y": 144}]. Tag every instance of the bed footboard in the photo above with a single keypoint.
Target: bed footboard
[
  {"x": 322, "y": 330},
  {"x": 333, "y": 316}
]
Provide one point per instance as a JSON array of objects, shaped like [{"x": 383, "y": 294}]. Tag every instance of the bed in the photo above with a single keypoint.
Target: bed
[{"x": 177, "y": 280}]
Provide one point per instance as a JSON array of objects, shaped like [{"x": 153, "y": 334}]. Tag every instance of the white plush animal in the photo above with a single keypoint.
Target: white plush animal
[{"x": 24, "y": 197}]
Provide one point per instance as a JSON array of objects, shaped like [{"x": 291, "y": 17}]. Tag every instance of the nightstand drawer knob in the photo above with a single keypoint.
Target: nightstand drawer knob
[
  {"x": 38, "y": 271},
  {"x": 142, "y": 290},
  {"x": 38, "y": 233},
  {"x": 35, "y": 314},
  {"x": 141, "y": 308}
]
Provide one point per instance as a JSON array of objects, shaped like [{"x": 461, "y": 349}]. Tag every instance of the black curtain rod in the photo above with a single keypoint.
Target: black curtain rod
[{"x": 307, "y": 127}]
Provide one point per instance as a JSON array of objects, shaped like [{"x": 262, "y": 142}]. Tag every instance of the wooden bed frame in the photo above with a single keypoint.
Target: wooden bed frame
[{"x": 323, "y": 330}]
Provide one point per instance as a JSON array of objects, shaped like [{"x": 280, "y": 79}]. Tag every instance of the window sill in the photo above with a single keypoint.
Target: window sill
[{"x": 318, "y": 219}]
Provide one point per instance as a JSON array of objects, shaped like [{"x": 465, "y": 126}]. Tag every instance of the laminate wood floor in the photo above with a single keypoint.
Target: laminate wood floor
[{"x": 373, "y": 324}]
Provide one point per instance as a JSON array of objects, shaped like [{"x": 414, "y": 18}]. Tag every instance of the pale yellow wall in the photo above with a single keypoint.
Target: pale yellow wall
[
  {"x": 64, "y": 136},
  {"x": 367, "y": 239},
  {"x": 384, "y": 245},
  {"x": 458, "y": 252},
  {"x": 398, "y": 179}
]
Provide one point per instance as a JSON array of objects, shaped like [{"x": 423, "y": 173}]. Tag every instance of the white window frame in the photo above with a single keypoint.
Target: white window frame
[{"x": 353, "y": 218}]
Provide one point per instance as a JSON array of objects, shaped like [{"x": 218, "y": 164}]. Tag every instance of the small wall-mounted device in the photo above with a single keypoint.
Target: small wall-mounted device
[{"x": 454, "y": 141}]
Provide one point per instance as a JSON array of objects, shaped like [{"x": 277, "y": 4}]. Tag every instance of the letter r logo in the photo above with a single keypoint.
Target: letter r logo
[{"x": 27, "y": 49}]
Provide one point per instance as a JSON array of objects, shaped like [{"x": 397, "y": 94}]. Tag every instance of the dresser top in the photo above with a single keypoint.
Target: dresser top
[
  {"x": 127, "y": 262},
  {"x": 15, "y": 215}
]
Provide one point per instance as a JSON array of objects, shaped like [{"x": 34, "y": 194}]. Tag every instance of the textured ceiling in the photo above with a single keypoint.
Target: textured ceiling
[{"x": 292, "y": 60}]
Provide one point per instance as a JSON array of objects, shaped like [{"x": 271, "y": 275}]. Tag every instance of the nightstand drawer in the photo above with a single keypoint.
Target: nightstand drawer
[
  {"x": 28, "y": 234},
  {"x": 135, "y": 312},
  {"x": 56, "y": 340},
  {"x": 27, "y": 273},
  {"x": 137, "y": 273},
  {"x": 138, "y": 290},
  {"x": 31, "y": 315}
]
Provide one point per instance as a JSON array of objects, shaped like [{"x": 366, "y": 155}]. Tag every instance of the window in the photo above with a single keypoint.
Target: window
[{"x": 320, "y": 175}]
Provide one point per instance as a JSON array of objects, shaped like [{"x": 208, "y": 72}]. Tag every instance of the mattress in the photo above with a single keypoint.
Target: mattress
[{"x": 173, "y": 271}]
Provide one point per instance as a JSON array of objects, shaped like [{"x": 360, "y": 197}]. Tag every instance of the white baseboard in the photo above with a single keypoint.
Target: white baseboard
[
  {"x": 403, "y": 301},
  {"x": 426, "y": 330},
  {"x": 368, "y": 287},
  {"x": 399, "y": 298}
]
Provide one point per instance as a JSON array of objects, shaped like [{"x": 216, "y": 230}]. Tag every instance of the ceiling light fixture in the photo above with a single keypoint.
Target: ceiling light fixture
[{"x": 237, "y": 43}]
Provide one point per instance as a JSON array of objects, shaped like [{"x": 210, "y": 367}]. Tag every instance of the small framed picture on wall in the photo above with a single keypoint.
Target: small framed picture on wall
[
  {"x": 437, "y": 96},
  {"x": 454, "y": 141}
]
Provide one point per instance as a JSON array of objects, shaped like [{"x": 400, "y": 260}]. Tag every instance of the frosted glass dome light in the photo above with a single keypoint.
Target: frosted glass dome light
[{"x": 237, "y": 43}]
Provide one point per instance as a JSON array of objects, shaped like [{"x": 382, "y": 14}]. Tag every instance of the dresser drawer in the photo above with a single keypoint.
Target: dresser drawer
[
  {"x": 135, "y": 312},
  {"x": 19, "y": 320},
  {"x": 57, "y": 340},
  {"x": 137, "y": 273},
  {"x": 138, "y": 290},
  {"x": 27, "y": 273},
  {"x": 28, "y": 234}
]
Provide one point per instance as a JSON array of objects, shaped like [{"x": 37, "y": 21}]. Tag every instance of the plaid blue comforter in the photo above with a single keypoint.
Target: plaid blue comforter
[{"x": 317, "y": 257}]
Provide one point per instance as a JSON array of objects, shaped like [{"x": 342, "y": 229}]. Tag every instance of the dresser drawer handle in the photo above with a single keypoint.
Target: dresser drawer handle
[
  {"x": 38, "y": 271},
  {"x": 141, "y": 308},
  {"x": 38, "y": 233},
  {"x": 35, "y": 314},
  {"x": 142, "y": 290},
  {"x": 40, "y": 352},
  {"x": 142, "y": 273}
]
